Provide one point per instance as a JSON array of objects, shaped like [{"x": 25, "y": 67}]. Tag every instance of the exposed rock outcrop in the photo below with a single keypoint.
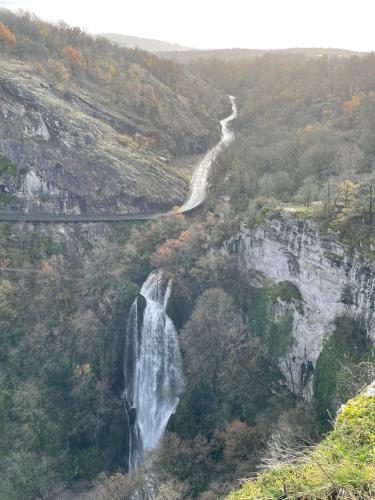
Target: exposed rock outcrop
[
  {"x": 75, "y": 154},
  {"x": 370, "y": 390},
  {"x": 330, "y": 281}
]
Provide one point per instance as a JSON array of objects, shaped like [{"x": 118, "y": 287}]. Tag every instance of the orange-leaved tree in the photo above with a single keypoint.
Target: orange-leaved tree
[
  {"x": 6, "y": 35},
  {"x": 73, "y": 55}
]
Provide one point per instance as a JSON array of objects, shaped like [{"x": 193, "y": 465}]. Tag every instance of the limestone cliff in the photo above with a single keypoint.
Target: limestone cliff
[{"x": 330, "y": 281}]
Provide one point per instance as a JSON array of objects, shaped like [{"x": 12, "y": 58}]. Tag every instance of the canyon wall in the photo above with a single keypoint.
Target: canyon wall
[{"x": 331, "y": 282}]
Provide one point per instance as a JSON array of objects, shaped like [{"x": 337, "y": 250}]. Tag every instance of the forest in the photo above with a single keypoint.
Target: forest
[
  {"x": 305, "y": 147},
  {"x": 305, "y": 139},
  {"x": 70, "y": 57}
]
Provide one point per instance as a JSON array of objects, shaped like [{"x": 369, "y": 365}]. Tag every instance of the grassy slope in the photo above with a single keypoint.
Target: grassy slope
[{"x": 342, "y": 465}]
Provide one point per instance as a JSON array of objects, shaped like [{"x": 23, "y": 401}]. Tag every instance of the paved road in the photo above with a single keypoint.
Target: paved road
[
  {"x": 199, "y": 181},
  {"x": 197, "y": 191},
  {"x": 35, "y": 217}
]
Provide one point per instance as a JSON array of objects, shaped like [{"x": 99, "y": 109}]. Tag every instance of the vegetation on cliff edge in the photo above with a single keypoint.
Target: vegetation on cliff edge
[{"x": 341, "y": 466}]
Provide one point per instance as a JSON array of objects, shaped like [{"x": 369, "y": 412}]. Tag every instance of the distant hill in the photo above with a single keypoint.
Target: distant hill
[
  {"x": 228, "y": 55},
  {"x": 144, "y": 43}
]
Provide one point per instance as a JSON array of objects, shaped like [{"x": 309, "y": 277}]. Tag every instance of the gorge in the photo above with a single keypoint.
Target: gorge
[
  {"x": 167, "y": 331},
  {"x": 152, "y": 363}
]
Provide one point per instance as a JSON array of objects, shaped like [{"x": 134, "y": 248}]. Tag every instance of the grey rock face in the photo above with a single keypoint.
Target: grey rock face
[
  {"x": 370, "y": 390},
  {"x": 330, "y": 282},
  {"x": 76, "y": 156}
]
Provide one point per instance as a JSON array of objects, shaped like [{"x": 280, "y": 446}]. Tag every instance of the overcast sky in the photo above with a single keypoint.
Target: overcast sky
[{"x": 267, "y": 24}]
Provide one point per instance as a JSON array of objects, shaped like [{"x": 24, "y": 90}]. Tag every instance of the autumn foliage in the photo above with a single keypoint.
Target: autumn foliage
[
  {"x": 6, "y": 35},
  {"x": 74, "y": 56},
  {"x": 170, "y": 248}
]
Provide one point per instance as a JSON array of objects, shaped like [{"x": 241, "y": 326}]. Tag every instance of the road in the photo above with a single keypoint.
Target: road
[
  {"x": 197, "y": 191},
  {"x": 199, "y": 181}
]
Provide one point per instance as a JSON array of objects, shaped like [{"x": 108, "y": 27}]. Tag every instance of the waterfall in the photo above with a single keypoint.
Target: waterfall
[{"x": 152, "y": 368}]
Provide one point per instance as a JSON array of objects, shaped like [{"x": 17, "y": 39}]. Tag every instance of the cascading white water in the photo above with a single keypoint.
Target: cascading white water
[
  {"x": 152, "y": 368},
  {"x": 152, "y": 362}
]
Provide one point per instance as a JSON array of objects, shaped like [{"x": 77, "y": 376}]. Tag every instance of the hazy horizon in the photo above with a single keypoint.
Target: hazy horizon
[{"x": 215, "y": 25}]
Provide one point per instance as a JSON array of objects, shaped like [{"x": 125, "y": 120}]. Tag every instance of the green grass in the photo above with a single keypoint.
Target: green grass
[
  {"x": 341, "y": 466},
  {"x": 304, "y": 211}
]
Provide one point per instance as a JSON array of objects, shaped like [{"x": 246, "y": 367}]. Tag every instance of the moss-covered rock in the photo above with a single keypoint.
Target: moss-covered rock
[{"x": 270, "y": 315}]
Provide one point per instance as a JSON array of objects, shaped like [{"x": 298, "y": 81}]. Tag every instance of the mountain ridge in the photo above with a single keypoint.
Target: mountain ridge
[
  {"x": 238, "y": 54},
  {"x": 149, "y": 44}
]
